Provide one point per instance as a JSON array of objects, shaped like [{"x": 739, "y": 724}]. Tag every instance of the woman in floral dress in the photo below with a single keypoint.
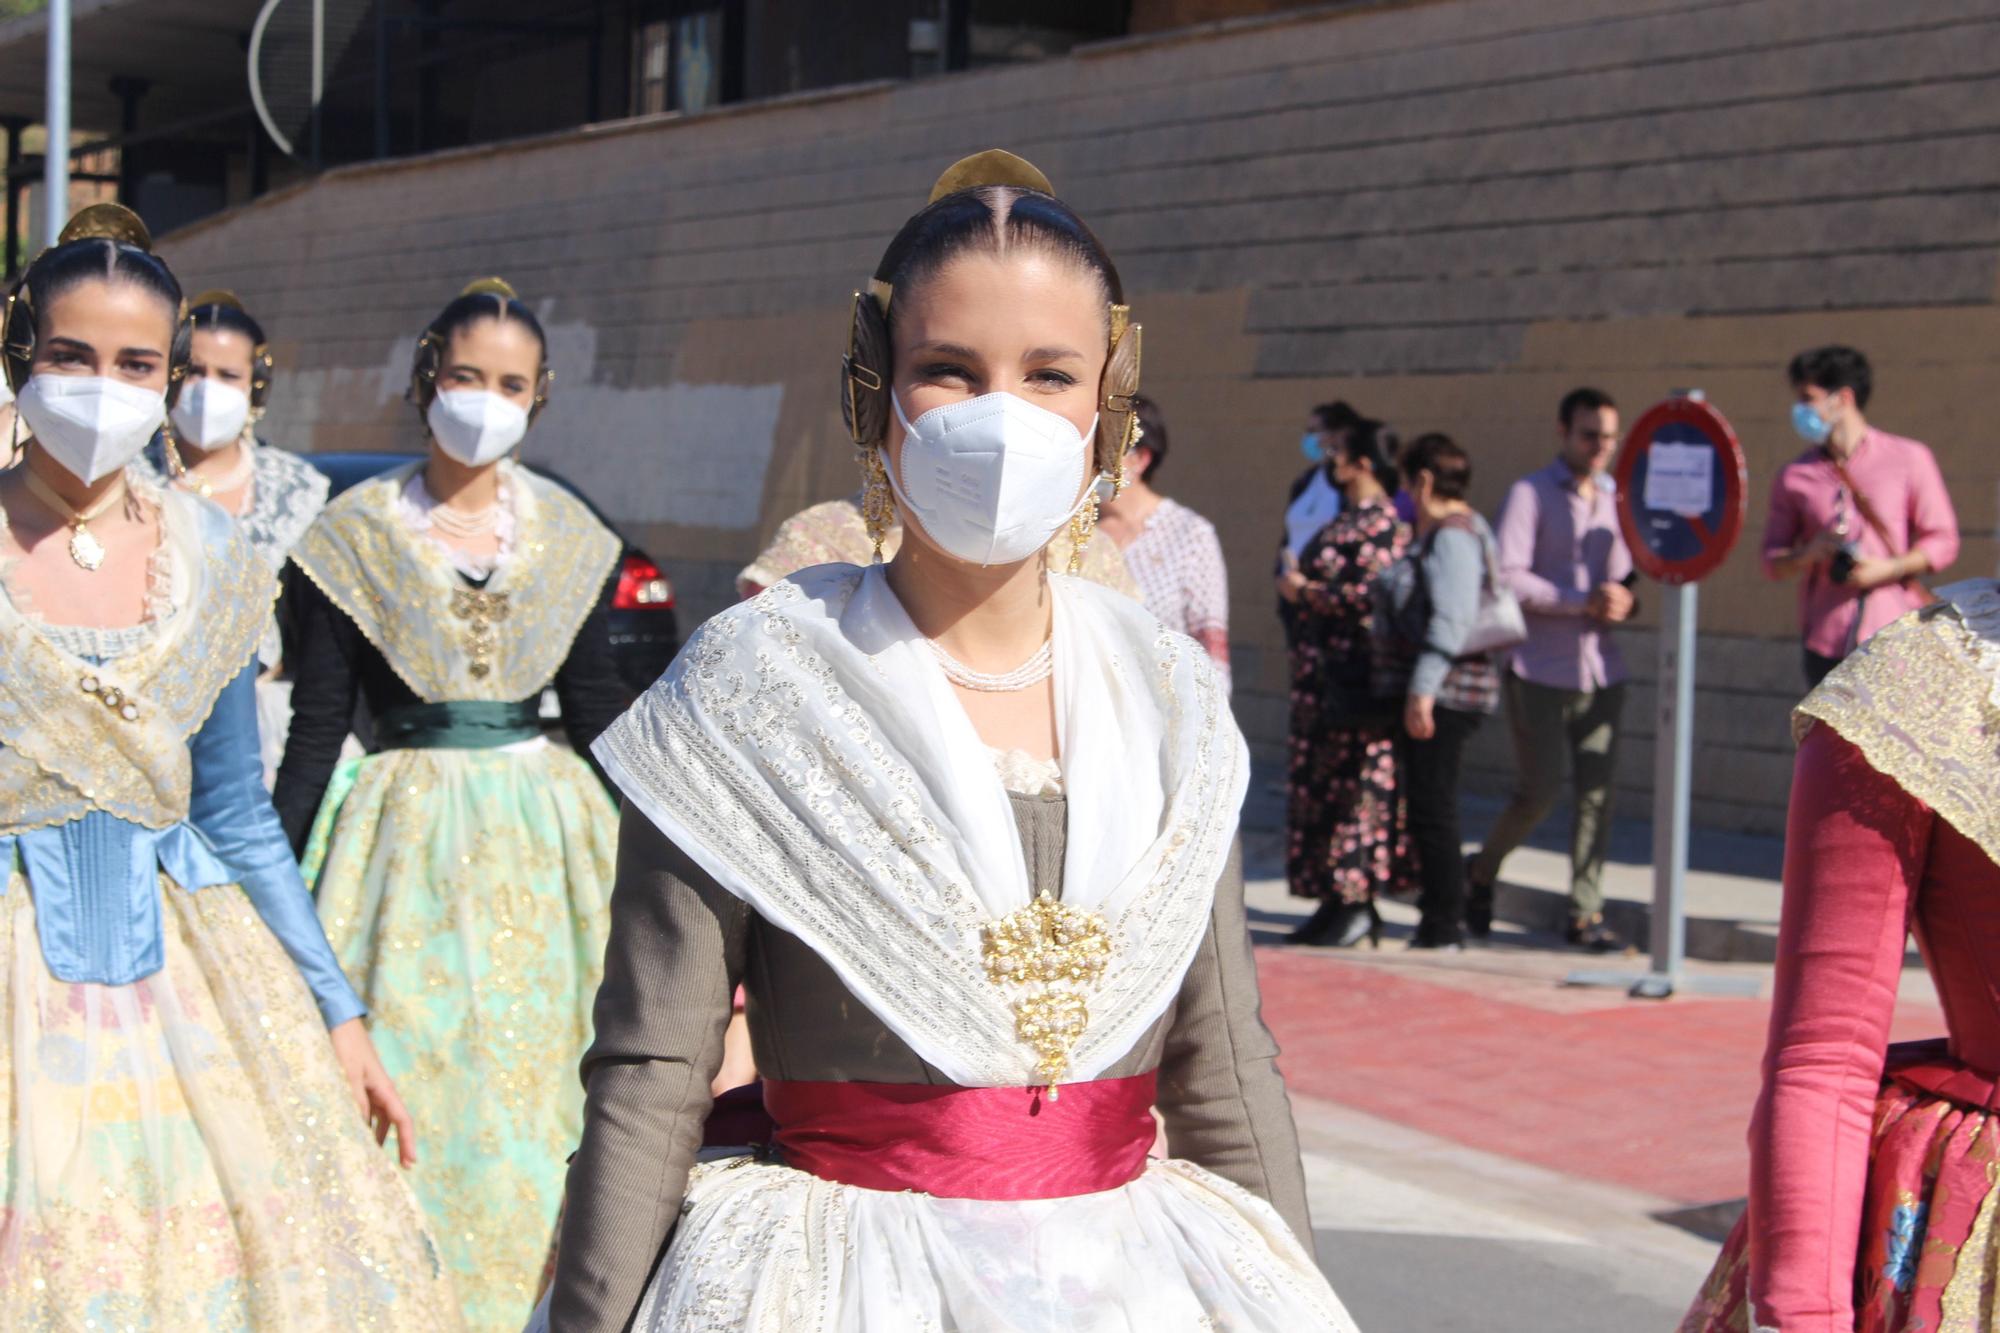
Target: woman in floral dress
[{"x": 1347, "y": 840}]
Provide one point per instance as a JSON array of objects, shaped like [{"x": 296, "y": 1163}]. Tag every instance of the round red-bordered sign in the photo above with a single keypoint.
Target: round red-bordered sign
[{"x": 1681, "y": 523}]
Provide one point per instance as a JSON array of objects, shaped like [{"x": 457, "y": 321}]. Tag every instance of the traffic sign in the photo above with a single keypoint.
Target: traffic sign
[{"x": 1683, "y": 486}]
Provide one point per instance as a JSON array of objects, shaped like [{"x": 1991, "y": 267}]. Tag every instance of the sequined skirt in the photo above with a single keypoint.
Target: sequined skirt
[
  {"x": 183, "y": 1153},
  {"x": 1929, "y": 1255},
  {"x": 467, "y": 895}
]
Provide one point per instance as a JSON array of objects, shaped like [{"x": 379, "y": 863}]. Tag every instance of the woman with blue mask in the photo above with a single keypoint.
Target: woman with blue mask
[
  {"x": 463, "y": 870},
  {"x": 189, "y": 1077},
  {"x": 964, "y": 826}
]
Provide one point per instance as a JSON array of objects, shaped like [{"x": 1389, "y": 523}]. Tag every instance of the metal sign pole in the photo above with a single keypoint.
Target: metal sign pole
[
  {"x": 1673, "y": 762},
  {"x": 55, "y": 160}
]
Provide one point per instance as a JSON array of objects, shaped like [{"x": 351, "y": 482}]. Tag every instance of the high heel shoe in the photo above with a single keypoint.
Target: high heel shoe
[
  {"x": 1478, "y": 903},
  {"x": 1341, "y": 925},
  {"x": 1361, "y": 926}
]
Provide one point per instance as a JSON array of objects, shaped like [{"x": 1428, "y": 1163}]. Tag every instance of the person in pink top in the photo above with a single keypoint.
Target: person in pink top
[
  {"x": 1872, "y": 1166},
  {"x": 1857, "y": 518}
]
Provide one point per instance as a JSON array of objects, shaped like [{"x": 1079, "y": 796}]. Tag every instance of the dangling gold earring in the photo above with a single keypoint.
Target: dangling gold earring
[
  {"x": 1134, "y": 432},
  {"x": 1082, "y": 526},
  {"x": 176, "y": 469},
  {"x": 878, "y": 503}
]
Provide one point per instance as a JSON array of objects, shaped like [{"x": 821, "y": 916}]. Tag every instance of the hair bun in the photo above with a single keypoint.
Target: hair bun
[
  {"x": 491, "y": 287},
  {"x": 995, "y": 166},
  {"x": 221, "y": 296},
  {"x": 111, "y": 222}
]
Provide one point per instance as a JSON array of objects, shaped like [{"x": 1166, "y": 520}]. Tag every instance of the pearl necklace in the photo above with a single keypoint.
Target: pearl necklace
[
  {"x": 459, "y": 523},
  {"x": 1031, "y": 672},
  {"x": 84, "y": 546},
  {"x": 208, "y": 487}
]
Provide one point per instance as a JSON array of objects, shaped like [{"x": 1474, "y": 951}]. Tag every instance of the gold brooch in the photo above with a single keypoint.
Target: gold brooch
[
  {"x": 1052, "y": 953},
  {"x": 481, "y": 611}
]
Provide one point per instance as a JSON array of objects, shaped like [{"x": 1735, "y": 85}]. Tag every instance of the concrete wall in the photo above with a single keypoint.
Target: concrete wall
[{"x": 1448, "y": 213}]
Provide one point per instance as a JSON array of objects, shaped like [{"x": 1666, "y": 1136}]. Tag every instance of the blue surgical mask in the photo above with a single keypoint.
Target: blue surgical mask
[
  {"x": 1810, "y": 425},
  {"x": 1309, "y": 446}
]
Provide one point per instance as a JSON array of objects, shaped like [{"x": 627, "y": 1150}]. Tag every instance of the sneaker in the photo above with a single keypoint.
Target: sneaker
[{"x": 1591, "y": 933}]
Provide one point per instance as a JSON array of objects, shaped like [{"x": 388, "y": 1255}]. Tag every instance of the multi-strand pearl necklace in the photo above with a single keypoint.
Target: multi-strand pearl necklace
[
  {"x": 1031, "y": 672},
  {"x": 464, "y": 523}
]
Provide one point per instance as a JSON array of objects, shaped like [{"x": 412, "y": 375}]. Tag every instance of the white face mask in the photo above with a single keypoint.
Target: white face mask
[
  {"x": 991, "y": 479},
  {"x": 90, "y": 425},
  {"x": 476, "y": 426},
  {"x": 210, "y": 413}
]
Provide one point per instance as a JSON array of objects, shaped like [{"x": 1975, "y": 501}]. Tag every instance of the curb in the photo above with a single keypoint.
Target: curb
[{"x": 1709, "y": 939}]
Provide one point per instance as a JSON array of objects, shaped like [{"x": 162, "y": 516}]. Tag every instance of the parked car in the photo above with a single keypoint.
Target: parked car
[{"x": 645, "y": 630}]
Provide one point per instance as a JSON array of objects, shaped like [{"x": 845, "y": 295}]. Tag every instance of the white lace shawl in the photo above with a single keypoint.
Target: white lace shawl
[{"x": 806, "y": 750}]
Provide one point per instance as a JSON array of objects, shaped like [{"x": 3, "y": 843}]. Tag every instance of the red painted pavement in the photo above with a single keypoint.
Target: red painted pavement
[{"x": 1650, "y": 1095}]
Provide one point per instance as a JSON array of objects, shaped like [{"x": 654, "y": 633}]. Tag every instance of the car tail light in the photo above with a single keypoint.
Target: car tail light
[{"x": 642, "y": 587}]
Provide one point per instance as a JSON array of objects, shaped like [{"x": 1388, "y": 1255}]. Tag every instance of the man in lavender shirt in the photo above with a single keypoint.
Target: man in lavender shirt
[
  {"x": 1563, "y": 556},
  {"x": 1857, "y": 542}
]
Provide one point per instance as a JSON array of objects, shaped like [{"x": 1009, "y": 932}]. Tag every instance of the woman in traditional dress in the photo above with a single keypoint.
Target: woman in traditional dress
[
  {"x": 965, "y": 828},
  {"x": 464, "y": 870},
  {"x": 1172, "y": 551},
  {"x": 1872, "y": 1166},
  {"x": 212, "y": 449},
  {"x": 1347, "y": 836},
  {"x": 183, "y": 1149}
]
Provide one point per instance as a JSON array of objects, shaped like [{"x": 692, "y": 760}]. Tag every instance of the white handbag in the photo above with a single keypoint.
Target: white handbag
[{"x": 1499, "y": 624}]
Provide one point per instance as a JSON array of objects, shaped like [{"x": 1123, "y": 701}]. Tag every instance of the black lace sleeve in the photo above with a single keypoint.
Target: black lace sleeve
[
  {"x": 326, "y": 680},
  {"x": 588, "y": 686}
]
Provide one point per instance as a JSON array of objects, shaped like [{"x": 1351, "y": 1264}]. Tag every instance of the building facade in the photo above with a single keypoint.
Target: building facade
[{"x": 1447, "y": 213}]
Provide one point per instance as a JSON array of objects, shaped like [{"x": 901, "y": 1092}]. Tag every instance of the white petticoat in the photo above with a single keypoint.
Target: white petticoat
[{"x": 763, "y": 1248}]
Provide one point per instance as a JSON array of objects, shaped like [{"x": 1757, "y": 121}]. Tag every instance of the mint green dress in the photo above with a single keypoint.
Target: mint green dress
[{"x": 463, "y": 871}]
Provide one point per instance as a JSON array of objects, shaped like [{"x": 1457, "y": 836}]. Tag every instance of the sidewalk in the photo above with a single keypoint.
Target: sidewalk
[
  {"x": 1488, "y": 1049},
  {"x": 1417, "y": 1232},
  {"x": 1733, "y": 892}
]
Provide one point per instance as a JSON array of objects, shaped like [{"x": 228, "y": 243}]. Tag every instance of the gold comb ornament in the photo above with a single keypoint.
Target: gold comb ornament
[
  {"x": 111, "y": 222},
  {"x": 491, "y": 287},
  {"x": 221, "y": 296},
  {"x": 1049, "y": 955},
  {"x": 995, "y": 166}
]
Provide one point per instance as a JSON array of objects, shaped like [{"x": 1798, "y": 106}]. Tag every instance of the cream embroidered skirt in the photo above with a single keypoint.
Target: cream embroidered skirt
[
  {"x": 763, "y": 1248},
  {"x": 183, "y": 1154}
]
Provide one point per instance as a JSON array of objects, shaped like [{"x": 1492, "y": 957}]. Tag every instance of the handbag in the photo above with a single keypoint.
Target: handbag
[
  {"x": 1499, "y": 624},
  {"x": 1403, "y": 615}
]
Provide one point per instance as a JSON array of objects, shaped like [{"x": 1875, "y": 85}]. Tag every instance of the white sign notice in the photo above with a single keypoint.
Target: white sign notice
[{"x": 1680, "y": 478}]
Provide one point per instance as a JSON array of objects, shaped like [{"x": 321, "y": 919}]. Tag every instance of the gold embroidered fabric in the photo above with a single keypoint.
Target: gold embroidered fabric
[
  {"x": 1918, "y": 701},
  {"x": 76, "y": 737},
  {"x": 446, "y": 640},
  {"x": 832, "y": 533}
]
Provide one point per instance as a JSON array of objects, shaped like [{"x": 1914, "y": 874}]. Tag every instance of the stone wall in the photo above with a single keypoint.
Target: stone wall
[{"x": 1448, "y": 213}]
